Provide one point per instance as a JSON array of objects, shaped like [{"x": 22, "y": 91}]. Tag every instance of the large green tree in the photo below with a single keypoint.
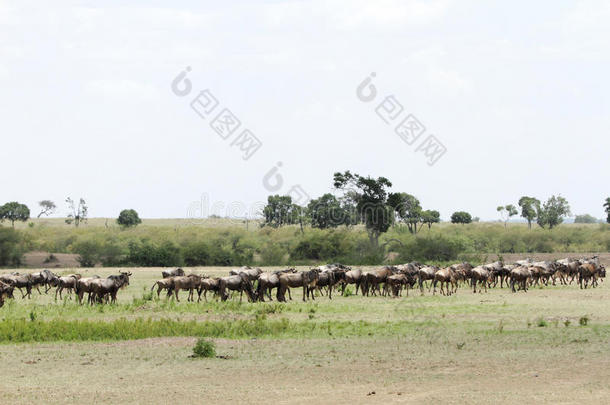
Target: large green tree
[
  {"x": 408, "y": 209},
  {"x": 607, "y": 207},
  {"x": 327, "y": 212},
  {"x": 371, "y": 198},
  {"x": 280, "y": 211},
  {"x": 585, "y": 219},
  {"x": 553, "y": 211},
  {"x": 461, "y": 217},
  {"x": 430, "y": 217},
  {"x": 529, "y": 209},
  {"x": 506, "y": 212},
  {"x": 128, "y": 218},
  {"x": 14, "y": 211}
]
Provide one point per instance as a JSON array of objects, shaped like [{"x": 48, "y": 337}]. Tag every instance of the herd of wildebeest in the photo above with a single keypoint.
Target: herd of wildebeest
[{"x": 385, "y": 281}]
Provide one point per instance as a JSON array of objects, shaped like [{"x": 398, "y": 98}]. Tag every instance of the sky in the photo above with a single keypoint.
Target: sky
[{"x": 508, "y": 98}]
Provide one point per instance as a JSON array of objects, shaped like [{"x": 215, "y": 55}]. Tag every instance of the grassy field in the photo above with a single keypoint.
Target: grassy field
[{"x": 494, "y": 347}]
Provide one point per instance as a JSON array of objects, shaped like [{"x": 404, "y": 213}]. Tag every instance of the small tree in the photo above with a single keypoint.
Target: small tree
[
  {"x": 585, "y": 219},
  {"x": 607, "y": 207},
  {"x": 506, "y": 212},
  {"x": 47, "y": 207},
  {"x": 77, "y": 213},
  {"x": 553, "y": 211},
  {"x": 529, "y": 209},
  {"x": 128, "y": 218},
  {"x": 430, "y": 217},
  {"x": 461, "y": 217},
  {"x": 14, "y": 211}
]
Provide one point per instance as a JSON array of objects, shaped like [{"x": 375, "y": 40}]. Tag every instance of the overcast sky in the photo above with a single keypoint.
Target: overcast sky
[{"x": 517, "y": 93}]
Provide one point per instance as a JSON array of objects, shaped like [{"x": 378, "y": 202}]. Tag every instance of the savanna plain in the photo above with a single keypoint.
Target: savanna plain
[{"x": 546, "y": 345}]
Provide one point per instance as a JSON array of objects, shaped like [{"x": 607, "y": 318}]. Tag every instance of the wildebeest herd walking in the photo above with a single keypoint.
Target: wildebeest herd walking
[{"x": 323, "y": 280}]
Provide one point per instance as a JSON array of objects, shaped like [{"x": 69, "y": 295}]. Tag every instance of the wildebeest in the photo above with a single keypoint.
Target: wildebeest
[
  {"x": 43, "y": 278},
  {"x": 269, "y": 281},
  {"x": 590, "y": 271},
  {"x": 208, "y": 284},
  {"x": 238, "y": 282},
  {"x": 425, "y": 273},
  {"x": 446, "y": 276},
  {"x": 371, "y": 280},
  {"x": 19, "y": 281},
  {"x": 329, "y": 278},
  {"x": 498, "y": 271},
  {"x": 482, "y": 276},
  {"x": 172, "y": 273},
  {"x": 190, "y": 283},
  {"x": 251, "y": 272},
  {"x": 65, "y": 283},
  {"x": 520, "y": 276},
  {"x": 163, "y": 284},
  {"x": 6, "y": 290},
  {"x": 104, "y": 290},
  {"x": 83, "y": 285},
  {"x": 306, "y": 279},
  {"x": 352, "y": 277}
]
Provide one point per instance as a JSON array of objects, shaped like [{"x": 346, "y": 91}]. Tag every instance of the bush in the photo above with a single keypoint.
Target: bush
[
  {"x": 436, "y": 248},
  {"x": 204, "y": 348},
  {"x": 10, "y": 251},
  {"x": 197, "y": 254},
  {"x": 149, "y": 254},
  {"x": 89, "y": 252}
]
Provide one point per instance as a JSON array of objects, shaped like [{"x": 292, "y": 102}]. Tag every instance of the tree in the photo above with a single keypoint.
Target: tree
[
  {"x": 280, "y": 211},
  {"x": 78, "y": 213},
  {"x": 430, "y": 217},
  {"x": 529, "y": 209},
  {"x": 585, "y": 219},
  {"x": 370, "y": 196},
  {"x": 128, "y": 218},
  {"x": 553, "y": 211},
  {"x": 461, "y": 217},
  {"x": 47, "y": 208},
  {"x": 408, "y": 208},
  {"x": 507, "y": 211},
  {"x": 327, "y": 212},
  {"x": 14, "y": 211},
  {"x": 607, "y": 207}
]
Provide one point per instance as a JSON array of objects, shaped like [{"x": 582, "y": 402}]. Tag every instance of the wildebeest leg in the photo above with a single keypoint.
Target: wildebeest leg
[{"x": 176, "y": 294}]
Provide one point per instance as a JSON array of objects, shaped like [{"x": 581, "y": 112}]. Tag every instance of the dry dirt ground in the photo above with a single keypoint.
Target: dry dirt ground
[{"x": 471, "y": 348}]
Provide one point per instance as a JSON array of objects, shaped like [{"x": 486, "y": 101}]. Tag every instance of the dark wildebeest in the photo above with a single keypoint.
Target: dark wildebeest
[
  {"x": 190, "y": 283},
  {"x": 269, "y": 281},
  {"x": 208, "y": 284},
  {"x": 520, "y": 276},
  {"x": 446, "y": 276},
  {"x": 498, "y": 271},
  {"x": 83, "y": 285},
  {"x": 482, "y": 276},
  {"x": 104, "y": 290},
  {"x": 463, "y": 272},
  {"x": 371, "y": 280},
  {"x": 425, "y": 273},
  {"x": 43, "y": 278},
  {"x": 590, "y": 271},
  {"x": 6, "y": 290},
  {"x": 251, "y": 272},
  {"x": 19, "y": 281},
  {"x": 163, "y": 284},
  {"x": 239, "y": 282},
  {"x": 65, "y": 283},
  {"x": 329, "y": 278},
  {"x": 306, "y": 279},
  {"x": 352, "y": 277},
  {"x": 172, "y": 273}
]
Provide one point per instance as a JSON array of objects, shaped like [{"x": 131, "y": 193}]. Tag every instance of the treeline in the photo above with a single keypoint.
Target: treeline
[{"x": 199, "y": 246}]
